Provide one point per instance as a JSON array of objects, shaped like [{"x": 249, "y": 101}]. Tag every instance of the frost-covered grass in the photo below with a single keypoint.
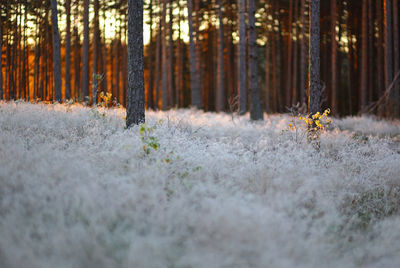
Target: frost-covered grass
[{"x": 78, "y": 190}]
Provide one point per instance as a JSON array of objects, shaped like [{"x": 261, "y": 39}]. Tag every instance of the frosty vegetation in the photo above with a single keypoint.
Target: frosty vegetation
[{"x": 79, "y": 190}]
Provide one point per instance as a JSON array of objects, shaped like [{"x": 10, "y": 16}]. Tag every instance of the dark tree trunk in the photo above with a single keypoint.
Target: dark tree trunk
[
  {"x": 135, "y": 98},
  {"x": 295, "y": 50},
  {"x": 77, "y": 65},
  {"x": 396, "y": 45},
  {"x": 220, "y": 72},
  {"x": 242, "y": 58},
  {"x": 303, "y": 50},
  {"x": 171, "y": 58},
  {"x": 256, "y": 112},
  {"x": 380, "y": 75},
  {"x": 195, "y": 84},
  {"x": 68, "y": 51},
  {"x": 105, "y": 80},
  {"x": 334, "y": 57},
  {"x": 388, "y": 42},
  {"x": 96, "y": 37},
  {"x": 364, "y": 55},
  {"x": 85, "y": 52},
  {"x": 314, "y": 103},
  {"x": 164, "y": 70},
  {"x": 288, "y": 91},
  {"x": 56, "y": 52},
  {"x": 150, "y": 102}
]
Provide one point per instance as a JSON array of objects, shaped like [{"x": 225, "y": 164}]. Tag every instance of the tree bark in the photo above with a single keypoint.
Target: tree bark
[
  {"x": 364, "y": 55},
  {"x": 314, "y": 99},
  {"x": 85, "y": 52},
  {"x": 256, "y": 112},
  {"x": 150, "y": 101},
  {"x": 195, "y": 84},
  {"x": 388, "y": 42},
  {"x": 56, "y": 52},
  {"x": 289, "y": 56},
  {"x": 303, "y": 50},
  {"x": 295, "y": 53},
  {"x": 1, "y": 58},
  {"x": 334, "y": 57},
  {"x": 396, "y": 45},
  {"x": 68, "y": 51},
  {"x": 135, "y": 110},
  {"x": 171, "y": 81},
  {"x": 220, "y": 71},
  {"x": 164, "y": 71},
  {"x": 96, "y": 38},
  {"x": 242, "y": 58}
]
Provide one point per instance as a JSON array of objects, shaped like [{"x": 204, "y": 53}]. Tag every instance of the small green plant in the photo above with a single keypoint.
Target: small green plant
[
  {"x": 150, "y": 142},
  {"x": 105, "y": 99}
]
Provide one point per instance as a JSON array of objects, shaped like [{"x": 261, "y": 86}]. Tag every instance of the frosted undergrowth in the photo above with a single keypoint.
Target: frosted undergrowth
[{"x": 78, "y": 190}]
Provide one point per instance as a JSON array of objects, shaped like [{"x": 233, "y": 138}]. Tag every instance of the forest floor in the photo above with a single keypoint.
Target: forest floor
[{"x": 194, "y": 189}]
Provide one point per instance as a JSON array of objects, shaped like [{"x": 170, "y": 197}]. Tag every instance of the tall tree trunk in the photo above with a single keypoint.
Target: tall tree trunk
[
  {"x": 171, "y": 58},
  {"x": 388, "y": 43},
  {"x": 220, "y": 72},
  {"x": 198, "y": 47},
  {"x": 334, "y": 57},
  {"x": 56, "y": 52},
  {"x": 164, "y": 72},
  {"x": 150, "y": 102},
  {"x": 105, "y": 80},
  {"x": 289, "y": 56},
  {"x": 135, "y": 98},
  {"x": 85, "y": 52},
  {"x": 364, "y": 55},
  {"x": 314, "y": 103},
  {"x": 303, "y": 50},
  {"x": 77, "y": 65},
  {"x": 96, "y": 37},
  {"x": 1, "y": 58},
  {"x": 68, "y": 51},
  {"x": 256, "y": 112},
  {"x": 158, "y": 62},
  {"x": 380, "y": 75},
  {"x": 196, "y": 98},
  {"x": 242, "y": 58},
  {"x": 396, "y": 45},
  {"x": 295, "y": 50}
]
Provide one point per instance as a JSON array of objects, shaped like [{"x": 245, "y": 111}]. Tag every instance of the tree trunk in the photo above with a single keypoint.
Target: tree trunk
[
  {"x": 364, "y": 55},
  {"x": 135, "y": 98},
  {"x": 334, "y": 57},
  {"x": 68, "y": 51},
  {"x": 150, "y": 102},
  {"x": 85, "y": 52},
  {"x": 195, "y": 84},
  {"x": 105, "y": 80},
  {"x": 164, "y": 72},
  {"x": 242, "y": 58},
  {"x": 303, "y": 50},
  {"x": 396, "y": 45},
  {"x": 380, "y": 79},
  {"x": 77, "y": 65},
  {"x": 158, "y": 64},
  {"x": 220, "y": 72},
  {"x": 96, "y": 38},
  {"x": 314, "y": 103},
  {"x": 171, "y": 58},
  {"x": 388, "y": 42},
  {"x": 256, "y": 112},
  {"x": 1, "y": 58},
  {"x": 289, "y": 56},
  {"x": 56, "y": 52},
  {"x": 295, "y": 50}
]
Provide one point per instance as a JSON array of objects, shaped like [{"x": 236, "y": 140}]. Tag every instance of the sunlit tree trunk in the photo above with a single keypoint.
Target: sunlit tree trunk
[
  {"x": 242, "y": 57},
  {"x": 171, "y": 81},
  {"x": 85, "y": 52},
  {"x": 77, "y": 65},
  {"x": 220, "y": 71},
  {"x": 1, "y": 57},
  {"x": 56, "y": 52},
  {"x": 135, "y": 98},
  {"x": 105, "y": 79},
  {"x": 196, "y": 97},
  {"x": 314, "y": 103}
]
